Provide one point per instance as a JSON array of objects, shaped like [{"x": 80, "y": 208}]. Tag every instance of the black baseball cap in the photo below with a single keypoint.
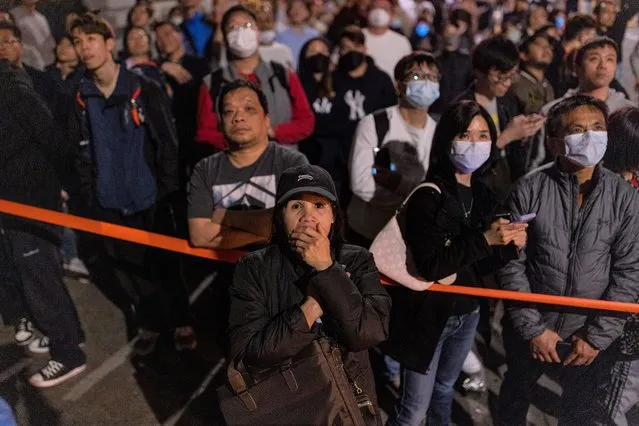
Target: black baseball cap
[{"x": 305, "y": 178}]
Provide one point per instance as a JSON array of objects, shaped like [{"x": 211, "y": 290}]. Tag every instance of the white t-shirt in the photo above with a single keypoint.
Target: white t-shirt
[
  {"x": 35, "y": 32},
  {"x": 409, "y": 149},
  {"x": 387, "y": 49}
]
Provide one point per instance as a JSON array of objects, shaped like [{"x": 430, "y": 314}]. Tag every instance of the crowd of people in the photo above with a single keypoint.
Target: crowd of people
[{"x": 297, "y": 130}]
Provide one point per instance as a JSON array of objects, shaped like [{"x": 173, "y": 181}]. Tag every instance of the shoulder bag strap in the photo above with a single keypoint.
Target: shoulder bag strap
[{"x": 418, "y": 187}]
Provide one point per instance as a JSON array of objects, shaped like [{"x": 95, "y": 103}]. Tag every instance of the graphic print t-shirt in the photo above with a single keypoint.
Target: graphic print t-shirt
[{"x": 216, "y": 182}]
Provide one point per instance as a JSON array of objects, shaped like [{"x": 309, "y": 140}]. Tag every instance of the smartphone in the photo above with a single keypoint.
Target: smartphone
[
  {"x": 524, "y": 218},
  {"x": 506, "y": 216},
  {"x": 563, "y": 350},
  {"x": 383, "y": 160}
]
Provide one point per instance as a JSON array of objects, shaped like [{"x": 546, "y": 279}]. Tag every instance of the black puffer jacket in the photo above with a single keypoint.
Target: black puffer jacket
[
  {"x": 32, "y": 151},
  {"x": 590, "y": 251},
  {"x": 266, "y": 323}
]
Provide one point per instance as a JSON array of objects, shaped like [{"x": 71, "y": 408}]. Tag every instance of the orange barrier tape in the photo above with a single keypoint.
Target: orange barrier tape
[{"x": 232, "y": 256}]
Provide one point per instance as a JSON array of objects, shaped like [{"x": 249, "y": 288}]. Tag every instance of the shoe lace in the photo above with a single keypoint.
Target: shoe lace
[
  {"x": 52, "y": 368},
  {"x": 23, "y": 325}
]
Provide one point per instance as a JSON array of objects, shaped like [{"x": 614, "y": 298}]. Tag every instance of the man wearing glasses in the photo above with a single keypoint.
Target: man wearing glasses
[
  {"x": 391, "y": 149},
  {"x": 495, "y": 64}
]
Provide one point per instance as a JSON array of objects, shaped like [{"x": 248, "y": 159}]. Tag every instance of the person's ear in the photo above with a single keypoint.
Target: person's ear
[{"x": 110, "y": 44}]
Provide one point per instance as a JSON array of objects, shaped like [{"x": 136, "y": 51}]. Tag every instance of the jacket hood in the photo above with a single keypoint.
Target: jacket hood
[
  {"x": 11, "y": 75},
  {"x": 615, "y": 100}
]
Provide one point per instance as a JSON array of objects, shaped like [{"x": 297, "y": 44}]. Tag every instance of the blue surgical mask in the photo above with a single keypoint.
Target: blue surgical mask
[
  {"x": 586, "y": 149},
  {"x": 422, "y": 93},
  {"x": 469, "y": 156}
]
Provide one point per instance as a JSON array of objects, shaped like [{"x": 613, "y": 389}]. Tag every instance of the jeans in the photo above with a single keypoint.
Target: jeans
[
  {"x": 6, "y": 415},
  {"x": 69, "y": 245},
  {"x": 393, "y": 369},
  {"x": 433, "y": 392}
]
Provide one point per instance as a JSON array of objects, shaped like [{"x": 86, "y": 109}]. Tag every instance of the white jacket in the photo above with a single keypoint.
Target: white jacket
[{"x": 372, "y": 205}]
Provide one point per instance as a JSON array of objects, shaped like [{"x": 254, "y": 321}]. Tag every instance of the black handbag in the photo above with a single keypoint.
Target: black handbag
[{"x": 312, "y": 388}]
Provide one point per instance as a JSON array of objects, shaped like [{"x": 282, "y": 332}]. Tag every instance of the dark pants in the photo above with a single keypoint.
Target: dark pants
[
  {"x": 140, "y": 271},
  {"x": 42, "y": 295},
  {"x": 578, "y": 384}
]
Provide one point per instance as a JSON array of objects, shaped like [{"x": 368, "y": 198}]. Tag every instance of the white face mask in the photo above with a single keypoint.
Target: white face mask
[
  {"x": 586, "y": 149},
  {"x": 242, "y": 41},
  {"x": 379, "y": 18},
  {"x": 177, "y": 20},
  {"x": 267, "y": 36},
  {"x": 469, "y": 156}
]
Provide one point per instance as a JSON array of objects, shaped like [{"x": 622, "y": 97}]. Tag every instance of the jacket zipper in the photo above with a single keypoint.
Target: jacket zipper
[{"x": 574, "y": 239}]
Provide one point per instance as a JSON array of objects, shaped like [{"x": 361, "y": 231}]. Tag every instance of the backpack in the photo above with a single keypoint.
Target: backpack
[
  {"x": 382, "y": 125},
  {"x": 218, "y": 81}
]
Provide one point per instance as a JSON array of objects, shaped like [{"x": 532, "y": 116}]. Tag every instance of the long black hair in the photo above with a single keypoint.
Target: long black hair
[
  {"x": 454, "y": 122},
  {"x": 622, "y": 154},
  {"x": 325, "y": 85},
  {"x": 279, "y": 236}
]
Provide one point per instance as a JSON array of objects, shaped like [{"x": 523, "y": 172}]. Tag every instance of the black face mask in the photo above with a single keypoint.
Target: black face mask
[
  {"x": 350, "y": 61},
  {"x": 317, "y": 63}
]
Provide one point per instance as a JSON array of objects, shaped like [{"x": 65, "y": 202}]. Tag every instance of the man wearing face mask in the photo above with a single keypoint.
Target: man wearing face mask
[
  {"x": 384, "y": 45},
  {"x": 582, "y": 243},
  {"x": 402, "y": 134},
  {"x": 456, "y": 70},
  {"x": 271, "y": 50},
  {"x": 596, "y": 64},
  {"x": 291, "y": 117},
  {"x": 360, "y": 89}
]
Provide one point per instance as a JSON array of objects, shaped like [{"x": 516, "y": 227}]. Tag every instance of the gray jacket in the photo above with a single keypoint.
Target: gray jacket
[{"x": 590, "y": 252}]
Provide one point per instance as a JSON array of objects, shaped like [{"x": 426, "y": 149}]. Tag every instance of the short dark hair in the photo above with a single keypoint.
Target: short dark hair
[
  {"x": 232, "y": 11},
  {"x": 352, "y": 33},
  {"x": 495, "y": 52},
  {"x": 92, "y": 23},
  {"x": 454, "y": 122},
  {"x": 540, "y": 33},
  {"x": 238, "y": 84},
  {"x": 622, "y": 154},
  {"x": 597, "y": 43},
  {"x": 146, "y": 5},
  {"x": 577, "y": 24},
  {"x": 555, "y": 117},
  {"x": 159, "y": 24},
  {"x": 11, "y": 26},
  {"x": 415, "y": 58}
]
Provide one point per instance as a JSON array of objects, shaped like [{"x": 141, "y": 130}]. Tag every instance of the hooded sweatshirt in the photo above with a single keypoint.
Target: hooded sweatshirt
[
  {"x": 32, "y": 153},
  {"x": 615, "y": 101}
]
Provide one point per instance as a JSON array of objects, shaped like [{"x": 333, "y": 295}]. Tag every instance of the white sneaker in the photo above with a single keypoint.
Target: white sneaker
[
  {"x": 24, "y": 332},
  {"x": 54, "y": 373},
  {"x": 39, "y": 346},
  {"x": 76, "y": 266},
  {"x": 472, "y": 364}
]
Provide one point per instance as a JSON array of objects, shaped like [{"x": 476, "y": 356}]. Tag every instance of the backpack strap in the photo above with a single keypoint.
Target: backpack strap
[
  {"x": 217, "y": 81},
  {"x": 281, "y": 74},
  {"x": 381, "y": 125}
]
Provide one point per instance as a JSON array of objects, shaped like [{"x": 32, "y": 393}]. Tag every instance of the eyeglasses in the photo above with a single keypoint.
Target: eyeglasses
[
  {"x": 416, "y": 76},
  {"x": 247, "y": 24},
  {"x": 5, "y": 41},
  {"x": 502, "y": 78}
]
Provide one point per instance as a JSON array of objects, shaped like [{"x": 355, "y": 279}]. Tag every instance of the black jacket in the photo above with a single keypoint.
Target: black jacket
[
  {"x": 32, "y": 151},
  {"x": 456, "y": 69},
  {"x": 160, "y": 143},
  {"x": 267, "y": 326},
  {"x": 443, "y": 242}
]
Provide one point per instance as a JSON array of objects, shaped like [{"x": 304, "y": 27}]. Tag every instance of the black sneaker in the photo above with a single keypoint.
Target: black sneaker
[
  {"x": 24, "y": 332},
  {"x": 145, "y": 343},
  {"x": 40, "y": 345},
  {"x": 55, "y": 373}
]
